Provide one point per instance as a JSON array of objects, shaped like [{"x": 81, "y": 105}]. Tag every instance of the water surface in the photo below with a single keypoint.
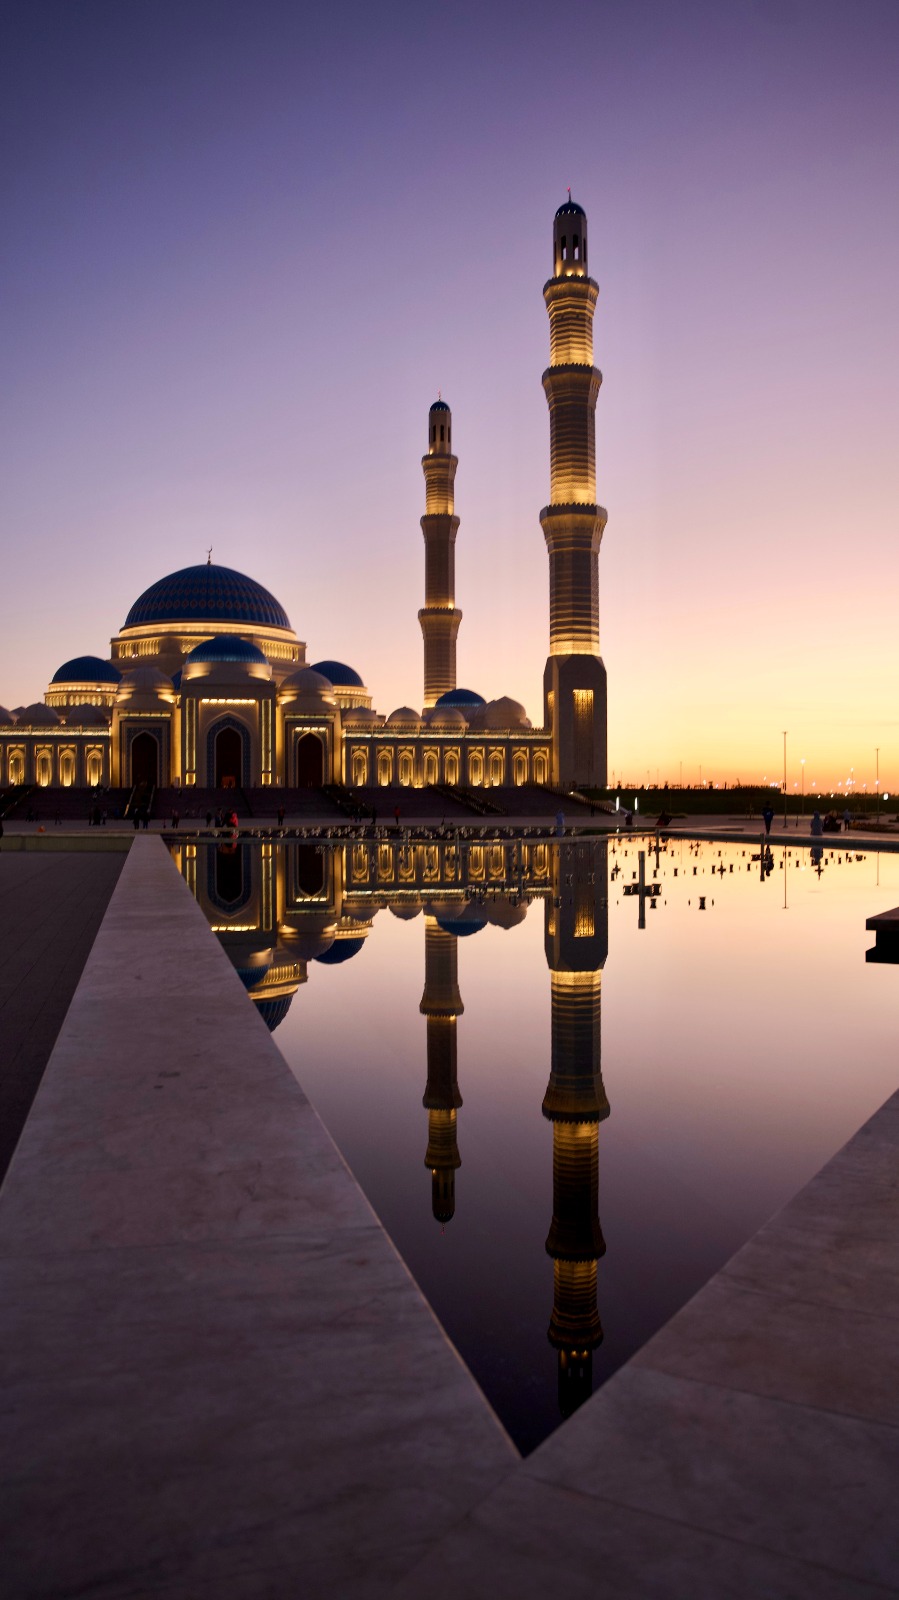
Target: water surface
[{"x": 569, "y": 1103}]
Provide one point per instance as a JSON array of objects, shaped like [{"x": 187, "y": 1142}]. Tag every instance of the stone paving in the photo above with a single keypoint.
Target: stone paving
[
  {"x": 51, "y": 906},
  {"x": 219, "y": 1378}
]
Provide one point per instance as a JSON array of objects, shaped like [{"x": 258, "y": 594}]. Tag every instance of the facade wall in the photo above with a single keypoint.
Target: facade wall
[{"x": 55, "y": 757}]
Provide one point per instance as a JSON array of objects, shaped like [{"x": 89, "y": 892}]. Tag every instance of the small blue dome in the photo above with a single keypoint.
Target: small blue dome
[
  {"x": 571, "y": 208},
  {"x": 176, "y": 679},
  {"x": 341, "y": 676},
  {"x": 207, "y": 594},
  {"x": 462, "y": 927},
  {"x": 440, "y": 405},
  {"x": 461, "y": 697},
  {"x": 86, "y": 669},
  {"x": 227, "y": 647},
  {"x": 340, "y": 950}
]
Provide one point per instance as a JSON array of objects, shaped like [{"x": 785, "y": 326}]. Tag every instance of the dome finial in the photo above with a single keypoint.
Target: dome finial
[
  {"x": 569, "y": 191},
  {"x": 209, "y": 556}
]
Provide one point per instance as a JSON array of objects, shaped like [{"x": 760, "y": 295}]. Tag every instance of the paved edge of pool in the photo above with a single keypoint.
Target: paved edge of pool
[{"x": 220, "y": 1379}]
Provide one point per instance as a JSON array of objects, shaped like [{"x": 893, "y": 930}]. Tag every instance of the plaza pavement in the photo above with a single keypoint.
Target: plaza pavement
[{"x": 219, "y": 1378}]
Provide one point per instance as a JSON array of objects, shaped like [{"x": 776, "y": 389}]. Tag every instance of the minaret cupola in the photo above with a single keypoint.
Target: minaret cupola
[
  {"x": 570, "y": 241},
  {"x": 440, "y": 429}
]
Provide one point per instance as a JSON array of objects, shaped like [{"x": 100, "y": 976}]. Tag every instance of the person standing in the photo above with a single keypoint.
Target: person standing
[{"x": 768, "y": 815}]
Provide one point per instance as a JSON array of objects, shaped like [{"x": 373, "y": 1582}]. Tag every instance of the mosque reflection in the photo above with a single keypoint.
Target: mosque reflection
[{"x": 279, "y": 907}]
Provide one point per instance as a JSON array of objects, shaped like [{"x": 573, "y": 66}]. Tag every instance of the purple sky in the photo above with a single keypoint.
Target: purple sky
[{"x": 245, "y": 244}]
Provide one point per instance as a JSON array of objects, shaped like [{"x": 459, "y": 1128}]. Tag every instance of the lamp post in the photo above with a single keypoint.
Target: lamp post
[
  {"x": 877, "y": 785},
  {"x": 802, "y": 770},
  {"x": 785, "y": 777}
]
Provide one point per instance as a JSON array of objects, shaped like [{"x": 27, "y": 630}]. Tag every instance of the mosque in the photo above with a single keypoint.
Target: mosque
[{"x": 207, "y": 687}]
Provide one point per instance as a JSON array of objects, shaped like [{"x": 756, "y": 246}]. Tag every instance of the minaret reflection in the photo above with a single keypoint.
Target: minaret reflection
[
  {"x": 441, "y": 1003},
  {"x": 575, "y": 1103}
]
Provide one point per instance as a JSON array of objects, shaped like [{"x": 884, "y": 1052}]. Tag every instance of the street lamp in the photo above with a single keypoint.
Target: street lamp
[
  {"x": 785, "y": 777},
  {"x": 802, "y": 769},
  {"x": 877, "y": 760}
]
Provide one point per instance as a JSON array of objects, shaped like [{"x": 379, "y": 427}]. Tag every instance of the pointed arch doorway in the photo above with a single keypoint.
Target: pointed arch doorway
[
  {"x": 145, "y": 760},
  {"x": 310, "y": 762},
  {"x": 228, "y": 759}
]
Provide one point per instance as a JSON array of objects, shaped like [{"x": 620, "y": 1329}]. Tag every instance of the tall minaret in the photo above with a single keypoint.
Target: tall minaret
[
  {"x": 575, "y": 1103},
  {"x": 438, "y": 617},
  {"x": 441, "y": 1003},
  {"x": 574, "y": 683}
]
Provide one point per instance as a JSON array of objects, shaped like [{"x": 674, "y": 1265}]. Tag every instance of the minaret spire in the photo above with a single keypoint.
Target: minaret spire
[
  {"x": 575, "y": 1103},
  {"x": 441, "y": 1003},
  {"x": 439, "y": 617},
  {"x": 574, "y": 681}
]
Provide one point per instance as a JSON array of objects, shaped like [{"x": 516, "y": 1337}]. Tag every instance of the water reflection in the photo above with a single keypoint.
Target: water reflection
[
  {"x": 576, "y": 943},
  {"x": 677, "y": 1197},
  {"x": 277, "y": 908}
]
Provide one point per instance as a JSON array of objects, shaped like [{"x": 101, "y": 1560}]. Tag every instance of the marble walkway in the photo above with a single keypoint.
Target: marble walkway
[{"x": 219, "y": 1379}]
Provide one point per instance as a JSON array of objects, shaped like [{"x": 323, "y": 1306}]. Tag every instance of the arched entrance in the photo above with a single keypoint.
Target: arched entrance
[
  {"x": 310, "y": 762},
  {"x": 229, "y": 876},
  {"x": 145, "y": 759},
  {"x": 228, "y": 759},
  {"x": 310, "y": 869}
]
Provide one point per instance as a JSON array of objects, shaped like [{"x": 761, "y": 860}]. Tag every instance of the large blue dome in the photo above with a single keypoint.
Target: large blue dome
[
  {"x": 337, "y": 673},
  {"x": 227, "y": 647},
  {"x": 86, "y": 669},
  {"x": 207, "y": 594},
  {"x": 273, "y": 1012}
]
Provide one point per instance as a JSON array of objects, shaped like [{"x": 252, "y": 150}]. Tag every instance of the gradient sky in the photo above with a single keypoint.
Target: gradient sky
[{"x": 246, "y": 243}]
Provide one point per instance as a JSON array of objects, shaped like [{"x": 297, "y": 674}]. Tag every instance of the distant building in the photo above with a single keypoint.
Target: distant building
[{"x": 207, "y": 686}]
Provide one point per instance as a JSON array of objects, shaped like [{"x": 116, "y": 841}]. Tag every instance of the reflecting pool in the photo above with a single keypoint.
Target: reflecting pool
[{"x": 570, "y": 1084}]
